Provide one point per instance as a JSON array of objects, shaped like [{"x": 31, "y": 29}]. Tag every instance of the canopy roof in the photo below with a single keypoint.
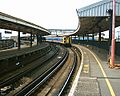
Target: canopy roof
[
  {"x": 94, "y": 18},
  {"x": 17, "y": 24}
]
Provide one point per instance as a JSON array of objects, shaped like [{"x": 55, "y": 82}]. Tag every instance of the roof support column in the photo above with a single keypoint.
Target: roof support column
[
  {"x": 75, "y": 39},
  {"x": 30, "y": 39},
  {"x": 99, "y": 35},
  {"x": 40, "y": 38},
  {"x": 112, "y": 65},
  {"x": 87, "y": 37},
  {"x": 37, "y": 38},
  {"x": 110, "y": 26},
  {"x": 83, "y": 36},
  {"x": 78, "y": 38},
  {"x": 93, "y": 37},
  {"x": 18, "y": 39}
]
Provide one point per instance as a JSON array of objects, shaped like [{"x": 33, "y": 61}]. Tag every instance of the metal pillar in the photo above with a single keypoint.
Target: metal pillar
[
  {"x": 18, "y": 39},
  {"x": 113, "y": 34},
  {"x": 83, "y": 37},
  {"x": 75, "y": 37},
  {"x": 37, "y": 39},
  {"x": 99, "y": 35},
  {"x": 40, "y": 38},
  {"x": 87, "y": 37},
  {"x": 30, "y": 39},
  {"x": 93, "y": 36},
  {"x": 78, "y": 39},
  {"x": 110, "y": 25}
]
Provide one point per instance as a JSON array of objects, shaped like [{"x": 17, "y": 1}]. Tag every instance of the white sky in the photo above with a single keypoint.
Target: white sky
[{"x": 50, "y": 14}]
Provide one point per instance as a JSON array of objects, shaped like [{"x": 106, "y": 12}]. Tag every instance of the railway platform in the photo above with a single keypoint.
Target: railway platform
[{"x": 95, "y": 78}]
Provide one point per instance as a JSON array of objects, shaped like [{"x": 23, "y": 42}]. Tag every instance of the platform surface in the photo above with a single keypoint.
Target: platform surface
[{"x": 96, "y": 78}]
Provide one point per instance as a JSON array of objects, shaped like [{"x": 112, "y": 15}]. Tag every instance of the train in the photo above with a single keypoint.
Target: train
[{"x": 65, "y": 40}]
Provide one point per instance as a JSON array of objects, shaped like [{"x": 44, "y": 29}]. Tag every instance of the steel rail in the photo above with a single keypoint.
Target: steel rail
[
  {"x": 33, "y": 86},
  {"x": 18, "y": 75},
  {"x": 69, "y": 76}
]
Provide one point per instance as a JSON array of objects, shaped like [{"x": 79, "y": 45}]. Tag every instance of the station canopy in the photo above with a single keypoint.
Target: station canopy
[
  {"x": 17, "y": 24},
  {"x": 95, "y": 18}
]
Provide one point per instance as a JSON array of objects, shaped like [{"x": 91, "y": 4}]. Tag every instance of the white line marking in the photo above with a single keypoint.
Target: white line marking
[{"x": 72, "y": 90}]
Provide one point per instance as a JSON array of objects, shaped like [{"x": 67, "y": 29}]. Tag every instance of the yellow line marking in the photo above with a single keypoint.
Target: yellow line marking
[
  {"x": 86, "y": 68},
  {"x": 104, "y": 74}
]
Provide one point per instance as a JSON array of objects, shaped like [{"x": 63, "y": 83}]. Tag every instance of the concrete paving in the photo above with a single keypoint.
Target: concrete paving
[{"x": 96, "y": 78}]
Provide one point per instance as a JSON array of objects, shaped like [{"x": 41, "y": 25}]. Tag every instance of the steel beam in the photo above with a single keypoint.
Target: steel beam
[
  {"x": 30, "y": 39},
  {"x": 99, "y": 35},
  {"x": 18, "y": 39}
]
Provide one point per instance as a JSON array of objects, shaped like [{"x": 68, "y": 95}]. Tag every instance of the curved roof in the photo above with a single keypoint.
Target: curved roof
[
  {"x": 17, "y": 24},
  {"x": 94, "y": 18}
]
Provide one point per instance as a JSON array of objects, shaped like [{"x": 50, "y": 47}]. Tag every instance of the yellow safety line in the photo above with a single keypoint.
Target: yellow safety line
[{"x": 104, "y": 74}]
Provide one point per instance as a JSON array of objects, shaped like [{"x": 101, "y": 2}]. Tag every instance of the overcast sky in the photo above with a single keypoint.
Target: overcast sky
[{"x": 50, "y": 14}]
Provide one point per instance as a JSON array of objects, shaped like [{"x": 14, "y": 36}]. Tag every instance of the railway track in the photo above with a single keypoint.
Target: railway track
[
  {"x": 53, "y": 81},
  {"x": 21, "y": 72},
  {"x": 11, "y": 81},
  {"x": 28, "y": 90},
  {"x": 60, "y": 83}
]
